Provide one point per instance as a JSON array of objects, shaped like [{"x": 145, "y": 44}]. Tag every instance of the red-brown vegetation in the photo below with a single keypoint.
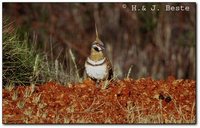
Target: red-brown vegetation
[{"x": 123, "y": 101}]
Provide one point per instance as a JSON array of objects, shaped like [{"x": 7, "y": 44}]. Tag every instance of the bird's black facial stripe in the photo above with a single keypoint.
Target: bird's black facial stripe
[{"x": 96, "y": 49}]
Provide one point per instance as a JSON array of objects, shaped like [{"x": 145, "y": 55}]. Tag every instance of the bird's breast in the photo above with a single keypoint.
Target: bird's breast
[{"x": 96, "y": 71}]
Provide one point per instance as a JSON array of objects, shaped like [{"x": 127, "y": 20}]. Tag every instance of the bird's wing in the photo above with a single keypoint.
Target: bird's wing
[{"x": 110, "y": 69}]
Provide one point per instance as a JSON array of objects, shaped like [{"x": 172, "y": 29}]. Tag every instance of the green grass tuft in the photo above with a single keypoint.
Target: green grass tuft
[
  {"x": 24, "y": 65},
  {"x": 18, "y": 60}
]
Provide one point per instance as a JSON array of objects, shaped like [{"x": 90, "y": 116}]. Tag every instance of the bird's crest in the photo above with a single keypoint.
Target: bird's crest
[
  {"x": 97, "y": 37},
  {"x": 97, "y": 34}
]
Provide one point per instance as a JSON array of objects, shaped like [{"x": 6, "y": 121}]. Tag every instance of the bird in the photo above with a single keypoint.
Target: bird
[{"x": 97, "y": 65}]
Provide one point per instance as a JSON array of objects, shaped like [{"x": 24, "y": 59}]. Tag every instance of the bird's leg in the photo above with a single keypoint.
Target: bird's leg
[
  {"x": 97, "y": 82},
  {"x": 105, "y": 84}
]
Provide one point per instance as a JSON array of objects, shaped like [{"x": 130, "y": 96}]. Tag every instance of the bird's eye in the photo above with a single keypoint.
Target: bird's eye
[{"x": 96, "y": 49}]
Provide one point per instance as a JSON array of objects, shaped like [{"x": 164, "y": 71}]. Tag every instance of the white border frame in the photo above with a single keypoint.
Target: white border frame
[{"x": 99, "y": 126}]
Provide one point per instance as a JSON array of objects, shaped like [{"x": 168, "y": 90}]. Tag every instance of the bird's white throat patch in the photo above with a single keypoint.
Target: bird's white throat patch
[
  {"x": 96, "y": 70},
  {"x": 96, "y": 62}
]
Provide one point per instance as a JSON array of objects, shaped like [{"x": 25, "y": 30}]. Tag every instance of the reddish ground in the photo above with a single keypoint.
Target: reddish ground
[{"x": 124, "y": 101}]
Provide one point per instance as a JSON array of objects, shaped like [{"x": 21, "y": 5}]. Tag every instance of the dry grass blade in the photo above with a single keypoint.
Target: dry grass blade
[
  {"x": 74, "y": 62},
  {"x": 129, "y": 72}
]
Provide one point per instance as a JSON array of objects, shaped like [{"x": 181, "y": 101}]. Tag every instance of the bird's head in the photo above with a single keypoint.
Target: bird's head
[
  {"x": 97, "y": 46},
  {"x": 97, "y": 49}
]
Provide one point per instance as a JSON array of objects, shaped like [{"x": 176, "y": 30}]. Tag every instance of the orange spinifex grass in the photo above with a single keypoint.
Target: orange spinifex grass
[{"x": 124, "y": 101}]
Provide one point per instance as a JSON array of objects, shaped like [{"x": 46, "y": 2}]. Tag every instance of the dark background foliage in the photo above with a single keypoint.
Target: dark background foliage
[{"x": 156, "y": 44}]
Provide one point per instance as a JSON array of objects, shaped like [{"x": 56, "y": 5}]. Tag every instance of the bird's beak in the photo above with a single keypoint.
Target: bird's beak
[{"x": 102, "y": 47}]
